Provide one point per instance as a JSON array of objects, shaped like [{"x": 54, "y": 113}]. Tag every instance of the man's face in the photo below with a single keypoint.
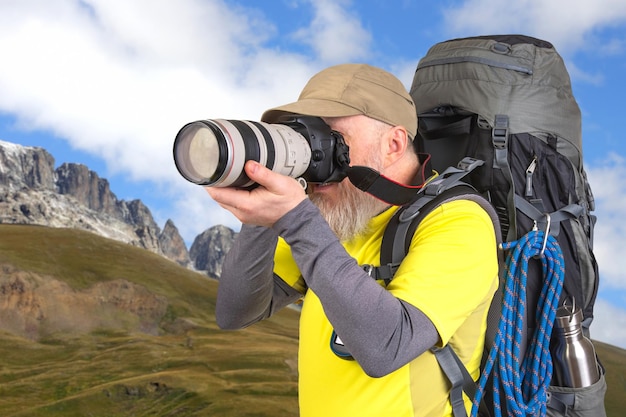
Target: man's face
[
  {"x": 346, "y": 208},
  {"x": 362, "y": 135}
]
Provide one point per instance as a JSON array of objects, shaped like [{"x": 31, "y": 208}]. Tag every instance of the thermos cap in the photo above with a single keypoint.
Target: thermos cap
[{"x": 568, "y": 315}]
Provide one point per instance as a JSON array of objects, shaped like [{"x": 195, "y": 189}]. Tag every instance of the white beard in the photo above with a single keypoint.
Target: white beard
[{"x": 351, "y": 217}]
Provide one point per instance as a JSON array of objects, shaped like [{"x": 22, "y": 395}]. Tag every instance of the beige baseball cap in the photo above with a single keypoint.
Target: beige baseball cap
[{"x": 351, "y": 89}]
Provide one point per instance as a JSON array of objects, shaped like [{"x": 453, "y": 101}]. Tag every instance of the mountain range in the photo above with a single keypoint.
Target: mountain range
[{"x": 33, "y": 191}]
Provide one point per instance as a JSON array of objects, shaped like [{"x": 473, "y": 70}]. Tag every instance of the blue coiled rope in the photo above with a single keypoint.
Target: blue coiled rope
[{"x": 524, "y": 386}]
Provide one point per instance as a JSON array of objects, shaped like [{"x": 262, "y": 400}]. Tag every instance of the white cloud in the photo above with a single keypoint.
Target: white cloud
[
  {"x": 335, "y": 34},
  {"x": 609, "y": 189},
  {"x": 593, "y": 77},
  {"x": 568, "y": 24},
  {"x": 609, "y": 325}
]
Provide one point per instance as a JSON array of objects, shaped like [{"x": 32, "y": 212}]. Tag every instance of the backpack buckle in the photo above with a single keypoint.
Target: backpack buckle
[
  {"x": 468, "y": 164},
  {"x": 500, "y": 132}
]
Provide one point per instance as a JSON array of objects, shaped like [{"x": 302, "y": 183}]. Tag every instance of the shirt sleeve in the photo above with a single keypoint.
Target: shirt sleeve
[
  {"x": 248, "y": 289},
  {"x": 381, "y": 331}
]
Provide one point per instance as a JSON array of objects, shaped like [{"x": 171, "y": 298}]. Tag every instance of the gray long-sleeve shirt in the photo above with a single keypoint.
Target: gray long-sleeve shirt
[{"x": 382, "y": 332}]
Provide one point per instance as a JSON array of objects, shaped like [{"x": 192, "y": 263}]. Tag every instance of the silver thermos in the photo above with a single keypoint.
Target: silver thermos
[{"x": 573, "y": 356}]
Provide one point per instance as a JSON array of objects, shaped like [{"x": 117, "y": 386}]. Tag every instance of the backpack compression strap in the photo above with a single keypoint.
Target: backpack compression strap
[{"x": 535, "y": 211}]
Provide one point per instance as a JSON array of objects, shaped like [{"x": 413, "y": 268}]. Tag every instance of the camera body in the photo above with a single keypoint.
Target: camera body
[{"x": 213, "y": 152}]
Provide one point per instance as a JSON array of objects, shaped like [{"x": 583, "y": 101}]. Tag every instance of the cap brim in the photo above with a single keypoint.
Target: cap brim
[{"x": 310, "y": 107}]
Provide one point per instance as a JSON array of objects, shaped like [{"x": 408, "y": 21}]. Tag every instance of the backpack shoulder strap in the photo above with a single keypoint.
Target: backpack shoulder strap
[
  {"x": 395, "y": 245},
  {"x": 459, "y": 378},
  {"x": 399, "y": 232}
]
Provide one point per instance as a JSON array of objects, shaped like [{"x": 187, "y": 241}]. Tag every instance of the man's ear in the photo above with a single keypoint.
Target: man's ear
[{"x": 397, "y": 141}]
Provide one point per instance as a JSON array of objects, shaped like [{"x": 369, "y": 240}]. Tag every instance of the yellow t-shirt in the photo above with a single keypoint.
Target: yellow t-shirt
[{"x": 450, "y": 274}]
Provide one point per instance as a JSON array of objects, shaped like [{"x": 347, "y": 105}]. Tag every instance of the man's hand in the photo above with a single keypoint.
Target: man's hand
[{"x": 263, "y": 206}]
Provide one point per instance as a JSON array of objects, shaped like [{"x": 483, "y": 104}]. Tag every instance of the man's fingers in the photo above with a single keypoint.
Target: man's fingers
[
  {"x": 272, "y": 181},
  {"x": 263, "y": 205},
  {"x": 260, "y": 174},
  {"x": 228, "y": 198}
]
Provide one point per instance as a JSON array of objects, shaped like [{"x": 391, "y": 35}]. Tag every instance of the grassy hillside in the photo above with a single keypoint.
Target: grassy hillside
[
  {"x": 196, "y": 370},
  {"x": 199, "y": 372}
]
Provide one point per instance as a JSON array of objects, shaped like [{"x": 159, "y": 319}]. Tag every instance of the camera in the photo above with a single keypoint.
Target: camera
[{"x": 213, "y": 152}]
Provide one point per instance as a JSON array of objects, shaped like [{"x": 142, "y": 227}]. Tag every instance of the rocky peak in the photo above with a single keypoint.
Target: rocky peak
[
  {"x": 173, "y": 245},
  {"x": 209, "y": 248},
  {"x": 87, "y": 187},
  {"x": 33, "y": 192},
  {"x": 25, "y": 167}
]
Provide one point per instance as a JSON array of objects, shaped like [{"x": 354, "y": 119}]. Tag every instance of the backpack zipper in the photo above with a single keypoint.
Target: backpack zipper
[{"x": 529, "y": 176}]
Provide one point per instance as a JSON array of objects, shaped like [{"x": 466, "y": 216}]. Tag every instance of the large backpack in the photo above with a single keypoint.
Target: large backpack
[{"x": 507, "y": 101}]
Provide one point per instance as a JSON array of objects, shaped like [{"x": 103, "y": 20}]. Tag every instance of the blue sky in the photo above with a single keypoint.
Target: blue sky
[{"x": 108, "y": 83}]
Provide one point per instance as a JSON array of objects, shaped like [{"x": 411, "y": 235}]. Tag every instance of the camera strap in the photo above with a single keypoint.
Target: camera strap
[{"x": 392, "y": 192}]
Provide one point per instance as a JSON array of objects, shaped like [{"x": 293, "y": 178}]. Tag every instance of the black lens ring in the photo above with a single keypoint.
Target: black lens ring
[
  {"x": 252, "y": 150},
  {"x": 269, "y": 142},
  {"x": 222, "y": 147}
]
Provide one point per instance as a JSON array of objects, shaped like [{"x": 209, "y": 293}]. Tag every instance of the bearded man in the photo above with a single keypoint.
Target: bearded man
[{"x": 365, "y": 347}]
